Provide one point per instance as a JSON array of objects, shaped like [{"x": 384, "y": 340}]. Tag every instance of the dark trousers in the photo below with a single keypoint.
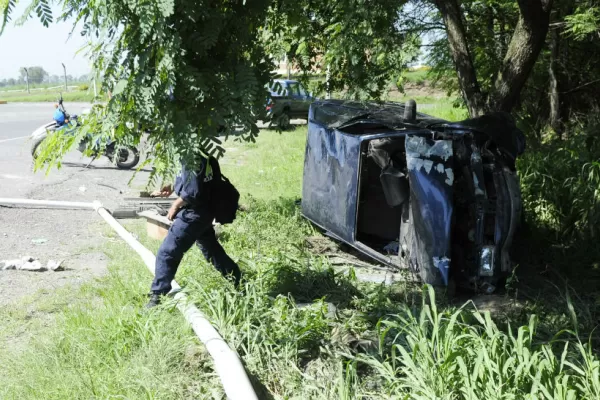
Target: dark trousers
[{"x": 187, "y": 228}]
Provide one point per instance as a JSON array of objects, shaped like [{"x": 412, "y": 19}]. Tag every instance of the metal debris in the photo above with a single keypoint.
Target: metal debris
[
  {"x": 450, "y": 175},
  {"x": 443, "y": 264}
]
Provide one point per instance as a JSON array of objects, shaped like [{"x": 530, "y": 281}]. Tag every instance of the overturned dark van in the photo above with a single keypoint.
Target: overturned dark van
[{"x": 415, "y": 192}]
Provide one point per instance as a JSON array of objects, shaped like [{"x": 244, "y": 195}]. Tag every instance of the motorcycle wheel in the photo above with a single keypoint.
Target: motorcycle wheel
[
  {"x": 34, "y": 146},
  {"x": 127, "y": 157}
]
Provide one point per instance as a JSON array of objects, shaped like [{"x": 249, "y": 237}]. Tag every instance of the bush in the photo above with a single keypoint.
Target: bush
[
  {"x": 83, "y": 88},
  {"x": 561, "y": 187}
]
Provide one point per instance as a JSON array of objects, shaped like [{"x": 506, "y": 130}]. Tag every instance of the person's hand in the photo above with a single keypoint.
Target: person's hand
[
  {"x": 172, "y": 212},
  {"x": 177, "y": 205},
  {"x": 166, "y": 191}
]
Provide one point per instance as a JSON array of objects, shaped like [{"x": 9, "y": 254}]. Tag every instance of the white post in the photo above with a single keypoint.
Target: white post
[
  {"x": 65, "y": 72},
  {"x": 27, "y": 79}
]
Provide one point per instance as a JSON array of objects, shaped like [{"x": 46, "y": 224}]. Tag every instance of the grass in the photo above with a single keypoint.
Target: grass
[
  {"x": 379, "y": 343},
  {"x": 99, "y": 345},
  {"x": 46, "y": 96},
  {"x": 46, "y": 85},
  {"x": 417, "y": 76}
]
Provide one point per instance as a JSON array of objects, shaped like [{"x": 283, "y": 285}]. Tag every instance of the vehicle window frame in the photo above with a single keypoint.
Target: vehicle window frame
[{"x": 297, "y": 89}]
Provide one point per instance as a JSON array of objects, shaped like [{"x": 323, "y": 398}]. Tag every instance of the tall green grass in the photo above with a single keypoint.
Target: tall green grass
[
  {"x": 303, "y": 330},
  {"x": 445, "y": 354}
]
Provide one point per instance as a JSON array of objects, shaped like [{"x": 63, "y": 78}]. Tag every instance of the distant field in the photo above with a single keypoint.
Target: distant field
[
  {"x": 50, "y": 92},
  {"x": 418, "y": 76},
  {"x": 40, "y": 86},
  {"x": 47, "y": 92},
  {"x": 46, "y": 96}
]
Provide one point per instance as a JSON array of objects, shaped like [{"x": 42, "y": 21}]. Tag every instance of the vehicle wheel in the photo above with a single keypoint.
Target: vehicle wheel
[
  {"x": 127, "y": 157},
  {"x": 284, "y": 121},
  {"x": 35, "y": 145}
]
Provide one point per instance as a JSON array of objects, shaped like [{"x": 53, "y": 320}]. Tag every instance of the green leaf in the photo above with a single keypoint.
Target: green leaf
[{"x": 121, "y": 85}]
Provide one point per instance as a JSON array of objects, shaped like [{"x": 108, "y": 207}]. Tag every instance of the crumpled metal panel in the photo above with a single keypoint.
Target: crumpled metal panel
[
  {"x": 330, "y": 183},
  {"x": 431, "y": 181},
  {"x": 508, "y": 214}
]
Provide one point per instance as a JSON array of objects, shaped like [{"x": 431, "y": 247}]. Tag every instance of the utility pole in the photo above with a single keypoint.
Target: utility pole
[
  {"x": 65, "y": 71},
  {"x": 27, "y": 79}
]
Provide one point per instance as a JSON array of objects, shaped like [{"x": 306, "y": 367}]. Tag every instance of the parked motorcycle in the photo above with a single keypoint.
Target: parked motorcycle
[{"x": 127, "y": 157}]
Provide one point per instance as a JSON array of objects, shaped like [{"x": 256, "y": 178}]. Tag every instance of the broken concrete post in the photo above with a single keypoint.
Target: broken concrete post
[
  {"x": 55, "y": 266},
  {"x": 33, "y": 266},
  {"x": 10, "y": 264}
]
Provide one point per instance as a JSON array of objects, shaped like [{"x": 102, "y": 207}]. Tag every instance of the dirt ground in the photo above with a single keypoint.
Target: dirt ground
[{"x": 72, "y": 236}]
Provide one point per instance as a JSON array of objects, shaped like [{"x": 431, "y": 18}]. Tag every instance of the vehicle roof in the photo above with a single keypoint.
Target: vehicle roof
[{"x": 285, "y": 80}]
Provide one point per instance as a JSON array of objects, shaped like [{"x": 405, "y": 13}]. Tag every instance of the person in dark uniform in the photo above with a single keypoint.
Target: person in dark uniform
[{"x": 192, "y": 223}]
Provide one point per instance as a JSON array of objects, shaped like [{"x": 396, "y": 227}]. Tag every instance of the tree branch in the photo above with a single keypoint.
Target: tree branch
[
  {"x": 581, "y": 86},
  {"x": 463, "y": 62},
  {"x": 526, "y": 43}
]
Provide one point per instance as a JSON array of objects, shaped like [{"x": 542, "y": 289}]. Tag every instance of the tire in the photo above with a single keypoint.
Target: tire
[
  {"x": 284, "y": 121},
  {"x": 36, "y": 143},
  {"x": 127, "y": 164}
]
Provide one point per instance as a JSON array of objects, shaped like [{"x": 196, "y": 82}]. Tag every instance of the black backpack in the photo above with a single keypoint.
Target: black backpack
[{"x": 224, "y": 197}]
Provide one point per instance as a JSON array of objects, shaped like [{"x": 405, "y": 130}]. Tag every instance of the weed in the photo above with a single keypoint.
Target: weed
[{"x": 460, "y": 354}]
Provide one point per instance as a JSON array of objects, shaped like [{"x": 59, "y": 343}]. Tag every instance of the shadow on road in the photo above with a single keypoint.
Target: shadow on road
[{"x": 94, "y": 167}]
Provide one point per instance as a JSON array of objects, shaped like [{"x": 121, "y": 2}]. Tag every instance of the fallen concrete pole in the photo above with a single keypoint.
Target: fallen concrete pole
[
  {"x": 228, "y": 365},
  {"x": 47, "y": 203}
]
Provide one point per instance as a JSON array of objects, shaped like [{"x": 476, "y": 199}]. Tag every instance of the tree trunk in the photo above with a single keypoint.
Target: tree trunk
[
  {"x": 457, "y": 38},
  {"x": 555, "y": 122},
  {"x": 525, "y": 46},
  {"x": 503, "y": 42}
]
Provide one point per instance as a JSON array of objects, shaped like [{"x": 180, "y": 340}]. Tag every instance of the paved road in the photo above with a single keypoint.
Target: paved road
[
  {"x": 17, "y": 122},
  {"x": 49, "y": 234}
]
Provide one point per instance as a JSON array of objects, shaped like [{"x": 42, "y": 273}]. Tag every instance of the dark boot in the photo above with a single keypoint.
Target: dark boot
[{"x": 155, "y": 299}]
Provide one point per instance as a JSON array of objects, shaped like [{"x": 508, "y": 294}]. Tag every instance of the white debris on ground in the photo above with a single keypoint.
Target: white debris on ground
[
  {"x": 30, "y": 264},
  {"x": 55, "y": 266}
]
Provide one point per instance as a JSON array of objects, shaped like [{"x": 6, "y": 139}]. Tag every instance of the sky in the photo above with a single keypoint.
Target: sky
[{"x": 32, "y": 44}]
